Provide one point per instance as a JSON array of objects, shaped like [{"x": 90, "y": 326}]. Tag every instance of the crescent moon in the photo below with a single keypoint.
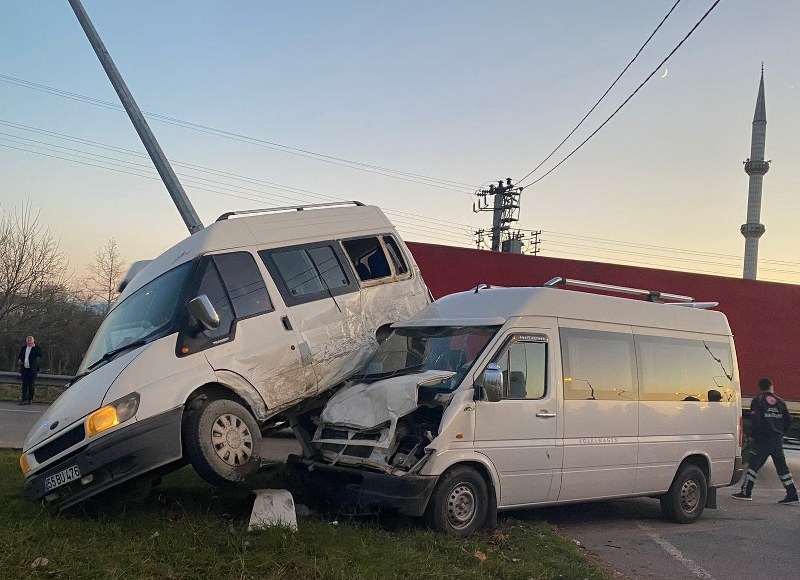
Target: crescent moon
[{"x": 666, "y": 72}]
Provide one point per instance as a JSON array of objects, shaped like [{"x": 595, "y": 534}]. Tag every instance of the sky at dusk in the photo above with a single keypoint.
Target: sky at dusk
[{"x": 411, "y": 106}]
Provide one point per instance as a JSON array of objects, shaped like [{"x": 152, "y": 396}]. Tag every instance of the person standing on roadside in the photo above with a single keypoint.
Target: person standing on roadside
[
  {"x": 769, "y": 420},
  {"x": 30, "y": 356}
]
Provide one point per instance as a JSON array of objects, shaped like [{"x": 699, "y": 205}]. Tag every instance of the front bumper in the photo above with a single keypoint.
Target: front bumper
[
  {"x": 136, "y": 449},
  {"x": 363, "y": 490}
]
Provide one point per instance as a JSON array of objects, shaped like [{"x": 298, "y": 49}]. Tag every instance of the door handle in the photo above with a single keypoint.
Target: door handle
[
  {"x": 545, "y": 415},
  {"x": 286, "y": 324}
]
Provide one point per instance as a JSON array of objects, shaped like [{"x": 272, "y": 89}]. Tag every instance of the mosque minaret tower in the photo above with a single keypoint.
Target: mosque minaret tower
[{"x": 756, "y": 168}]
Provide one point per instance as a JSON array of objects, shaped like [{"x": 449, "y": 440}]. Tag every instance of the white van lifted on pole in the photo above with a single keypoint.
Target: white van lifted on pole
[{"x": 213, "y": 341}]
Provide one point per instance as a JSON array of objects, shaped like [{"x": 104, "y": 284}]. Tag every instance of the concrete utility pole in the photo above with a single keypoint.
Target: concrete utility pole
[
  {"x": 185, "y": 208},
  {"x": 505, "y": 211},
  {"x": 756, "y": 168}
]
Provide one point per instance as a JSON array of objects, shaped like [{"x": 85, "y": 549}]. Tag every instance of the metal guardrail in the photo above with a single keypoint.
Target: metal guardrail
[{"x": 41, "y": 379}]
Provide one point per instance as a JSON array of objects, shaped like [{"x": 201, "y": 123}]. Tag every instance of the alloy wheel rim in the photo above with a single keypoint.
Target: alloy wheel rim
[{"x": 232, "y": 439}]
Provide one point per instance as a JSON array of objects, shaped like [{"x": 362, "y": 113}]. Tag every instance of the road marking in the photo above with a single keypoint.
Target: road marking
[
  {"x": 20, "y": 411},
  {"x": 693, "y": 566}
]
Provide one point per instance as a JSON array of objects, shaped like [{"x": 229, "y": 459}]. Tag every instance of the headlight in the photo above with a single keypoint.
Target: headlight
[
  {"x": 111, "y": 415},
  {"x": 23, "y": 464}
]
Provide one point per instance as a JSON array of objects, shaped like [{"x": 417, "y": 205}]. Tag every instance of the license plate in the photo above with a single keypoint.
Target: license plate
[{"x": 64, "y": 476}]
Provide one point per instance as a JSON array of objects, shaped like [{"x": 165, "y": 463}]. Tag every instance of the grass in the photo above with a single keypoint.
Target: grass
[{"x": 188, "y": 529}]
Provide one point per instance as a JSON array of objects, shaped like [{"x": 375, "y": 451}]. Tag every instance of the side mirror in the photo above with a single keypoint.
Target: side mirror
[
  {"x": 202, "y": 309},
  {"x": 491, "y": 381}
]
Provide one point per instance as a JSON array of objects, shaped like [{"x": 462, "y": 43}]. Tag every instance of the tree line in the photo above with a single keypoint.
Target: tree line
[{"x": 39, "y": 296}]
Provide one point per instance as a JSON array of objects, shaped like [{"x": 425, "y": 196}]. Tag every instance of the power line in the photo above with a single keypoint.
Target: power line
[
  {"x": 225, "y": 174},
  {"x": 198, "y": 183},
  {"x": 625, "y": 102},
  {"x": 665, "y": 248},
  {"x": 603, "y": 96},
  {"x": 367, "y": 167}
]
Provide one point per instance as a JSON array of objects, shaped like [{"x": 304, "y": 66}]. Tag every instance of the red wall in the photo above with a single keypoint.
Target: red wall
[{"x": 764, "y": 316}]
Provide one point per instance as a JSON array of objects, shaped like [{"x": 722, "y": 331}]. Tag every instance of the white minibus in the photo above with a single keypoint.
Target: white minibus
[
  {"x": 508, "y": 398},
  {"x": 211, "y": 342}
]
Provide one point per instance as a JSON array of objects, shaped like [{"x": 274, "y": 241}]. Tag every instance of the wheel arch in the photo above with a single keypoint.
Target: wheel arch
[
  {"x": 484, "y": 467},
  {"x": 231, "y": 385},
  {"x": 700, "y": 460}
]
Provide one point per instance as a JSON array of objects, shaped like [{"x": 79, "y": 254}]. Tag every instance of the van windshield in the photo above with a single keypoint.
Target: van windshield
[
  {"x": 145, "y": 315},
  {"x": 417, "y": 349}
]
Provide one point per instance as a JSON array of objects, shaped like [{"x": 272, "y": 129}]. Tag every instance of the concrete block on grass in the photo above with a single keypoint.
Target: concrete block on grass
[{"x": 272, "y": 507}]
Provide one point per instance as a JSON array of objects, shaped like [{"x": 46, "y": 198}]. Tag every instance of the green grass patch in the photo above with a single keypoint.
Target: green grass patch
[{"x": 187, "y": 529}]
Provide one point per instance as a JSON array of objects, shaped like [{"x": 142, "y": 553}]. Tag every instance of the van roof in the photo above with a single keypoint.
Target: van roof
[
  {"x": 493, "y": 306},
  {"x": 274, "y": 227}
]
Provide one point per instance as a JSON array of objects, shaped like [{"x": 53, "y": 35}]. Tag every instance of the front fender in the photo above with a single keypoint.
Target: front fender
[
  {"x": 450, "y": 458},
  {"x": 246, "y": 391}
]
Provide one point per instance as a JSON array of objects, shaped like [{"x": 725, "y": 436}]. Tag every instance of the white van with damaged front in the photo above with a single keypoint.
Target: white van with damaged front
[{"x": 505, "y": 398}]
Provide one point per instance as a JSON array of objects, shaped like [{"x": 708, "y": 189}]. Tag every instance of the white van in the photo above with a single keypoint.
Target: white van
[
  {"x": 505, "y": 398},
  {"x": 212, "y": 341}
]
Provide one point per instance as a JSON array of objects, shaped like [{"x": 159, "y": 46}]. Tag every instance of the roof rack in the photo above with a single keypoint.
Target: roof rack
[
  {"x": 652, "y": 295},
  {"x": 292, "y": 207}
]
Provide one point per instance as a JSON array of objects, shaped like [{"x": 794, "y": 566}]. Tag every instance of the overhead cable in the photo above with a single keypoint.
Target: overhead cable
[{"x": 625, "y": 102}]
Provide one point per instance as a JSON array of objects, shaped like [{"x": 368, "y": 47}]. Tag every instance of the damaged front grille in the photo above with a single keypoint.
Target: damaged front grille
[
  {"x": 343, "y": 434},
  {"x": 359, "y": 451}
]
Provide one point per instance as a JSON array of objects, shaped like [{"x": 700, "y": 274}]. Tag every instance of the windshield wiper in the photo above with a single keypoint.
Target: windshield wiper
[
  {"x": 76, "y": 378},
  {"x": 112, "y": 353}
]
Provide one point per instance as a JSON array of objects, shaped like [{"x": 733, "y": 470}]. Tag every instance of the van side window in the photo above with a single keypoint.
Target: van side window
[
  {"x": 676, "y": 369},
  {"x": 524, "y": 368},
  {"x": 396, "y": 255},
  {"x": 328, "y": 267},
  {"x": 244, "y": 283},
  {"x": 598, "y": 365},
  {"x": 211, "y": 286},
  {"x": 368, "y": 258},
  {"x": 307, "y": 273}
]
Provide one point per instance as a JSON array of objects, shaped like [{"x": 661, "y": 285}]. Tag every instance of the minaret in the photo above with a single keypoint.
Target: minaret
[{"x": 756, "y": 168}]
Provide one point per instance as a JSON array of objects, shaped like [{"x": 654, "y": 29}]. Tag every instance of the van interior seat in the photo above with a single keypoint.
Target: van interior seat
[
  {"x": 363, "y": 271},
  {"x": 378, "y": 266},
  {"x": 516, "y": 385}
]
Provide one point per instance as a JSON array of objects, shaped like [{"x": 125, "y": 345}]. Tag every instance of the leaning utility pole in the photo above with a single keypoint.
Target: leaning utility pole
[
  {"x": 185, "y": 208},
  {"x": 505, "y": 211}
]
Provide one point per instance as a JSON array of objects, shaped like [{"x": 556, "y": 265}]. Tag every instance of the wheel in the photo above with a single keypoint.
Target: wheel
[
  {"x": 686, "y": 498},
  {"x": 222, "y": 442},
  {"x": 459, "y": 503}
]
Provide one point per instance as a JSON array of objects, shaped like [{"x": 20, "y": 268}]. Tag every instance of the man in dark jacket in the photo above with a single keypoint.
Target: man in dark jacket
[
  {"x": 769, "y": 420},
  {"x": 30, "y": 356}
]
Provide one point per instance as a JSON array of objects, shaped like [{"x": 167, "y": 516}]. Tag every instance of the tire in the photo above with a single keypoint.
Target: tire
[
  {"x": 222, "y": 442},
  {"x": 686, "y": 498},
  {"x": 459, "y": 503}
]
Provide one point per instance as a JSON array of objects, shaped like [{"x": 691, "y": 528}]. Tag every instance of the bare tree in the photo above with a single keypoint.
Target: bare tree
[
  {"x": 105, "y": 273},
  {"x": 33, "y": 270}
]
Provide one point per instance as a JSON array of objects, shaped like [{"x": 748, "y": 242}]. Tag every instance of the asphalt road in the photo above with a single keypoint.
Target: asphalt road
[{"x": 756, "y": 539}]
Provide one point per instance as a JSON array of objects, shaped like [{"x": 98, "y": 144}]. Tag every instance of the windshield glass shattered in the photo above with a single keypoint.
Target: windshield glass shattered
[
  {"x": 446, "y": 348},
  {"x": 143, "y": 316}
]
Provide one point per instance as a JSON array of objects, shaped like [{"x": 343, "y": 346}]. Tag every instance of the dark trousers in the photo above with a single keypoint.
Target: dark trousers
[
  {"x": 760, "y": 451},
  {"x": 28, "y": 380}
]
